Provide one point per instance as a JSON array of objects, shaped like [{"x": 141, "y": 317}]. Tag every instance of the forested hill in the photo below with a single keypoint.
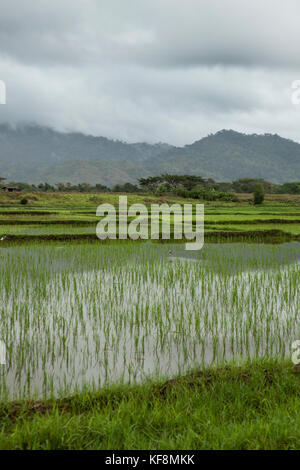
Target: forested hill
[
  {"x": 36, "y": 154},
  {"x": 229, "y": 155}
]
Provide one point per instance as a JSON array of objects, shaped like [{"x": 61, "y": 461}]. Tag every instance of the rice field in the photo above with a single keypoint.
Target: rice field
[
  {"x": 141, "y": 345},
  {"x": 53, "y": 216},
  {"x": 82, "y": 317}
]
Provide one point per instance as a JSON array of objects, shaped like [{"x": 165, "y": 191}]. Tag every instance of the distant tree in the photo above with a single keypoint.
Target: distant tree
[
  {"x": 100, "y": 188},
  {"x": 130, "y": 188},
  {"x": 259, "y": 194},
  {"x": 191, "y": 181},
  {"x": 46, "y": 187},
  {"x": 61, "y": 186},
  {"x": 170, "y": 180},
  {"x": 172, "y": 183},
  {"x": 125, "y": 188},
  {"x": 290, "y": 188},
  {"x": 161, "y": 189},
  {"x": 248, "y": 185},
  {"x": 224, "y": 186},
  {"x": 151, "y": 183},
  {"x": 84, "y": 187},
  {"x": 24, "y": 201}
]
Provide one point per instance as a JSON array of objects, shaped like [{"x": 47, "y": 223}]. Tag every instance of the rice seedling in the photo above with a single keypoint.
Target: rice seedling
[{"x": 88, "y": 316}]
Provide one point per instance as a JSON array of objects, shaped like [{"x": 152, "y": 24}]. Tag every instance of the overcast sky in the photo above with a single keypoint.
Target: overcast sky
[{"x": 151, "y": 70}]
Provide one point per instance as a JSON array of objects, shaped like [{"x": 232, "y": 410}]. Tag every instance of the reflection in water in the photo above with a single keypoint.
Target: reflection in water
[{"x": 93, "y": 315}]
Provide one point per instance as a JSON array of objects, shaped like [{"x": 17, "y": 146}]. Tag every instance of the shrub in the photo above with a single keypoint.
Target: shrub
[
  {"x": 24, "y": 201},
  {"x": 259, "y": 194},
  {"x": 208, "y": 195}
]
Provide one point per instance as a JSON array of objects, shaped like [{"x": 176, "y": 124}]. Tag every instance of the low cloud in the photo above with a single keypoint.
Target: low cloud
[{"x": 154, "y": 71}]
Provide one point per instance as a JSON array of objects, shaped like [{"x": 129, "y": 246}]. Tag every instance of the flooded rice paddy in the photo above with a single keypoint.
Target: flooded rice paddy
[{"x": 86, "y": 316}]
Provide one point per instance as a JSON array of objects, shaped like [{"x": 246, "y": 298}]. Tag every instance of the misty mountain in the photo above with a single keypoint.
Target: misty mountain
[
  {"x": 31, "y": 143},
  {"x": 229, "y": 155},
  {"x": 37, "y": 154}
]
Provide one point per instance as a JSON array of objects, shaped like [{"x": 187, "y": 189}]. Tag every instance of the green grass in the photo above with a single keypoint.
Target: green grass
[
  {"x": 76, "y": 200},
  {"x": 293, "y": 229},
  {"x": 256, "y": 406}
]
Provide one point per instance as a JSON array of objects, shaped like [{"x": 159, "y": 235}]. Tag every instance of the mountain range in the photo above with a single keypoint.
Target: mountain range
[{"x": 34, "y": 154}]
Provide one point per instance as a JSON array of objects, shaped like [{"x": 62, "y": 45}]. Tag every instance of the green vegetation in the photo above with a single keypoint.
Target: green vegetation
[
  {"x": 106, "y": 313},
  {"x": 229, "y": 155},
  {"x": 53, "y": 215},
  {"x": 255, "y": 406},
  {"x": 184, "y": 186},
  {"x": 259, "y": 194},
  {"x": 37, "y": 154},
  {"x": 118, "y": 345},
  {"x": 290, "y": 188}
]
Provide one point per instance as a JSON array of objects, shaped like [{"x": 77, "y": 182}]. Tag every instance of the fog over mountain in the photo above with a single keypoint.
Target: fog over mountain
[
  {"x": 37, "y": 154},
  {"x": 138, "y": 73},
  {"x": 150, "y": 71}
]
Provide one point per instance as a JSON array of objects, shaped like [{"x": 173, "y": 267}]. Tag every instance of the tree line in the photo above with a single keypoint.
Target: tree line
[
  {"x": 172, "y": 183},
  {"x": 168, "y": 183}
]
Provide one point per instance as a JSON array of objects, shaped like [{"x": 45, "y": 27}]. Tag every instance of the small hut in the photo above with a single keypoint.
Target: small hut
[{"x": 11, "y": 189}]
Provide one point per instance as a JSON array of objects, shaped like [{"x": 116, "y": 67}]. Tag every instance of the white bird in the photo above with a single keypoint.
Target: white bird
[{"x": 2, "y": 238}]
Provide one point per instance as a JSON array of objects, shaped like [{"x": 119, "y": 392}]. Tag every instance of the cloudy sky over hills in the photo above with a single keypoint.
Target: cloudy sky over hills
[{"x": 164, "y": 70}]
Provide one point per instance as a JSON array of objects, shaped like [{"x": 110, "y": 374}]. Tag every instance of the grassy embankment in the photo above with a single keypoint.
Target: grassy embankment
[{"x": 256, "y": 406}]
